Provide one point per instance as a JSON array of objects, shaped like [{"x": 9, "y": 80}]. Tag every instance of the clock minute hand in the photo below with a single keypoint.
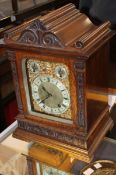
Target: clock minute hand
[{"x": 49, "y": 95}]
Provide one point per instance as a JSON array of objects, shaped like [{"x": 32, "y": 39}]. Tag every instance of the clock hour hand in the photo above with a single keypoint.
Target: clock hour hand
[{"x": 46, "y": 91}]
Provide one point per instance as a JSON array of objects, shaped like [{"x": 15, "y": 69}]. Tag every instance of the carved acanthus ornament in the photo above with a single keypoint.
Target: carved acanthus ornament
[
  {"x": 38, "y": 34},
  {"x": 51, "y": 133}
]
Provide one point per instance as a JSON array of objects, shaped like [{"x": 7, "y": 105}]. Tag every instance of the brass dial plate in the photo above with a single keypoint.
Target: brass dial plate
[{"x": 49, "y": 88}]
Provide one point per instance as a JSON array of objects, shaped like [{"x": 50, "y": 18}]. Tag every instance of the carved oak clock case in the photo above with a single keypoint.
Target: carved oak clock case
[{"x": 58, "y": 62}]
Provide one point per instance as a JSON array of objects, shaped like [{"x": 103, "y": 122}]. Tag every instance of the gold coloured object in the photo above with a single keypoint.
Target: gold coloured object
[
  {"x": 101, "y": 167},
  {"x": 49, "y": 85}
]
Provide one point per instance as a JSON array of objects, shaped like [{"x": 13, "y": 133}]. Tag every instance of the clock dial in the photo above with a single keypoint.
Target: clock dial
[{"x": 50, "y": 94}]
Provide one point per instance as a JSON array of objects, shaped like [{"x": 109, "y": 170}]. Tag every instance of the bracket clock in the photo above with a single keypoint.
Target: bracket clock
[{"x": 58, "y": 62}]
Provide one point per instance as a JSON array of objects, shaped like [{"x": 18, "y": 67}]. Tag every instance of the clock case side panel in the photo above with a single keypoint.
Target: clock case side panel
[
  {"x": 98, "y": 70},
  {"x": 97, "y": 80},
  {"x": 99, "y": 119}
]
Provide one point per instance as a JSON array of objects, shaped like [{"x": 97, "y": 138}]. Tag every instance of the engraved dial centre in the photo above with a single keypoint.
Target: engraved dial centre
[{"x": 50, "y": 94}]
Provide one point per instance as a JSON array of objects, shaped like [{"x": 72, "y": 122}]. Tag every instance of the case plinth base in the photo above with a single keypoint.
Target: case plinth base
[{"x": 83, "y": 154}]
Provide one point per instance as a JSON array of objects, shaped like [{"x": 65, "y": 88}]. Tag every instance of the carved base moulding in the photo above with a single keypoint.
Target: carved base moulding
[{"x": 81, "y": 148}]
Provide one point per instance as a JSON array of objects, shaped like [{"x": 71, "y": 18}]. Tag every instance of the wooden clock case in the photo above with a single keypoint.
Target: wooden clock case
[{"x": 69, "y": 37}]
